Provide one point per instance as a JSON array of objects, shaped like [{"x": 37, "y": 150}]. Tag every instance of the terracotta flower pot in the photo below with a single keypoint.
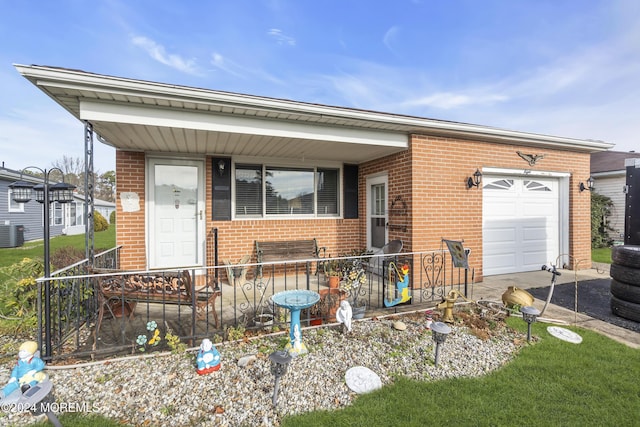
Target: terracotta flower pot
[
  {"x": 334, "y": 282},
  {"x": 330, "y": 300}
]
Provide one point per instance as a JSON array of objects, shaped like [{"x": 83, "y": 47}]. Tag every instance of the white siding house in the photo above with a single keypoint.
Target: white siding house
[{"x": 609, "y": 179}]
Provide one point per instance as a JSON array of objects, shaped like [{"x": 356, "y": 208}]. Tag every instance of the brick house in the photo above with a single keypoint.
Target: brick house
[{"x": 192, "y": 160}]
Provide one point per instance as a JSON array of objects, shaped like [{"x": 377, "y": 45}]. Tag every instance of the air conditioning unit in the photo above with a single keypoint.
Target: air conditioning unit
[{"x": 11, "y": 236}]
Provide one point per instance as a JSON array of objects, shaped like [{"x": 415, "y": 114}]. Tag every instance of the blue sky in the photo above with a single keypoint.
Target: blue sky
[{"x": 559, "y": 67}]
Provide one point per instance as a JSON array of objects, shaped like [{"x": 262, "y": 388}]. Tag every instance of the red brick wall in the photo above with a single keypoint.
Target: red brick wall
[
  {"x": 130, "y": 226},
  {"x": 430, "y": 177},
  {"x": 444, "y": 207}
]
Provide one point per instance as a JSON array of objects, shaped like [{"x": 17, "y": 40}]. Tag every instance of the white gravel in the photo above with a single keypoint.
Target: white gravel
[{"x": 165, "y": 389}]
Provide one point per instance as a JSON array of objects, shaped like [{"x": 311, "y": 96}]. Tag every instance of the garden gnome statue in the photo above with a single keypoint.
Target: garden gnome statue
[
  {"x": 344, "y": 315},
  {"x": 28, "y": 370},
  {"x": 208, "y": 358}
]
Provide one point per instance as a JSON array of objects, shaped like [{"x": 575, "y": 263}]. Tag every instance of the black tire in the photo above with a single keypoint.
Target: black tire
[
  {"x": 627, "y": 255},
  {"x": 625, "y": 274},
  {"x": 625, "y": 291},
  {"x": 625, "y": 309}
]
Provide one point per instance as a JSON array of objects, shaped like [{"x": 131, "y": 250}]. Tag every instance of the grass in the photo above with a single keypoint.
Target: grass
[
  {"x": 550, "y": 383},
  {"x": 601, "y": 255},
  {"x": 35, "y": 249}
]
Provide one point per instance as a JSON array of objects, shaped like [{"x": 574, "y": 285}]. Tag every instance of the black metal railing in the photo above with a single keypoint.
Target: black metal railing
[{"x": 222, "y": 302}]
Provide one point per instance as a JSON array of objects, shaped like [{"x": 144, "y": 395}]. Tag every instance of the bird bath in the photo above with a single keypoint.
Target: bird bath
[{"x": 295, "y": 300}]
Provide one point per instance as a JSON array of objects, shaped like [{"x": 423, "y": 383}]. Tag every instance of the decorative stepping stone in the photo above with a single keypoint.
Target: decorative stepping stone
[
  {"x": 564, "y": 334},
  {"x": 362, "y": 380},
  {"x": 399, "y": 326},
  {"x": 246, "y": 361}
]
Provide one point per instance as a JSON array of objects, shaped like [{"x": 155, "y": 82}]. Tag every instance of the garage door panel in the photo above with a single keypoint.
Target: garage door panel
[
  {"x": 501, "y": 235},
  {"x": 534, "y": 260},
  {"x": 503, "y": 261}
]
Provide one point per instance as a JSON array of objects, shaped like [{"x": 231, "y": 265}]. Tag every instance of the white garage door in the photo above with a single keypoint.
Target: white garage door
[{"x": 520, "y": 223}]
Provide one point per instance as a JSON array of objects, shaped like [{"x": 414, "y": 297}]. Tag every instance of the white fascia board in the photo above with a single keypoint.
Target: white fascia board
[
  {"x": 609, "y": 174},
  {"x": 523, "y": 172},
  {"x": 165, "y": 117}
]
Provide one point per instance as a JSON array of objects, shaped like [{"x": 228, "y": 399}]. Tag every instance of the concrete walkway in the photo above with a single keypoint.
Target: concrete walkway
[{"x": 493, "y": 287}]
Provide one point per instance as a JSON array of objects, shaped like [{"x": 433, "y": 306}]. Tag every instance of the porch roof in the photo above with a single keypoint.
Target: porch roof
[{"x": 139, "y": 115}]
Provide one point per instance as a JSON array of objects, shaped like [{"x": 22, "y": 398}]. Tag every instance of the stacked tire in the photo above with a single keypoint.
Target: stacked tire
[{"x": 625, "y": 282}]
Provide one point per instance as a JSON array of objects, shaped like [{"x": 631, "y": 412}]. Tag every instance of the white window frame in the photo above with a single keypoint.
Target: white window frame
[{"x": 12, "y": 206}]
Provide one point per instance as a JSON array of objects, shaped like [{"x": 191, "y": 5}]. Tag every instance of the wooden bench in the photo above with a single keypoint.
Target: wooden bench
[
  {"x": 288, "y": 250},
  {"x": 125, "y": 290}
]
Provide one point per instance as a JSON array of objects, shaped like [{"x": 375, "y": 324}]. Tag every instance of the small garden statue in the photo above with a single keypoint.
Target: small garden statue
[
  {"x": 344, "y": 315},
  {"x": 208, "y": 359},
  {"x": 28, "y": 370}
]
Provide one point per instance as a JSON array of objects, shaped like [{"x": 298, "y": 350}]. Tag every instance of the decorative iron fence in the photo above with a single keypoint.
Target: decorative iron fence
[{"x": 106, "y": 311}]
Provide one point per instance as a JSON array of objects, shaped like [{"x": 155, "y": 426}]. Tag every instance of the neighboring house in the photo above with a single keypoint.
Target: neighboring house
[
  {"x": 190, "y": 161},
  {"x": 609, "y": 179},
  {"x": 75, "y": 213},
  {"x": 64, "y": 218},
  {"x": 27, "y": 215}
]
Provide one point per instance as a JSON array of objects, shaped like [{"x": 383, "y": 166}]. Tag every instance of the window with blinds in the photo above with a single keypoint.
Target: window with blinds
[{"x": 285, "y": 191}]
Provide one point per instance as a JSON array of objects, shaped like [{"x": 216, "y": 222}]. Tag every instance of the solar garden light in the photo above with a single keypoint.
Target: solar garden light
[
  {"x": 279, "y": 363},
  {"x": 530, "y": 315},
  {"x": 440, "y": 332},
  {"x": 46, "y": 194}
]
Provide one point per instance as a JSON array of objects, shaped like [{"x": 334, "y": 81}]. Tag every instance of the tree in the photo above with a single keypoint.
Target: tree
[
  {"x": 74, "y": 172},
  {"x": 600, "y": 212},
  {"x": 106, "y": 186}
]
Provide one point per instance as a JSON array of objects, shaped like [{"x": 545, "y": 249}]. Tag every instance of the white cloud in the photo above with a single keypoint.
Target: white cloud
[
  {"x": 281, "y": 38},
  {"x": 228, "y": 66},
  {"x": 449, "y": 100},
  {"x": 159, "y": 53},
  {"x": 48, "y": 133},
  {"x": 389, "y": 37},
  {"x": 231, "y": 67}
]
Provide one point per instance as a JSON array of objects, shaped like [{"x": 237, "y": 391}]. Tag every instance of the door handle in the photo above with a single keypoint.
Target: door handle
[{"x": 200, "y": 213}]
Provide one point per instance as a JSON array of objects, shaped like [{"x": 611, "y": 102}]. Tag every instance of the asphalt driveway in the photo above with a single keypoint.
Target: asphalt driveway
[{"x": 593, "y": 300}]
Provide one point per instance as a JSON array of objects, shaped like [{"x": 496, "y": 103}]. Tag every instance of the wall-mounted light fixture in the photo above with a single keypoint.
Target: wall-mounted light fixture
[
  {"x": 589, "y": 185},
  {"x": 221, "y": 166},
  {"x": 475, "y": 180}
]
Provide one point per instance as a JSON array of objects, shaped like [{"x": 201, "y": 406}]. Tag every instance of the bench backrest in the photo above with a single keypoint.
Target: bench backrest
[
  {"x": 175, "y": 286},
  {"x": 286, "y": 250}
]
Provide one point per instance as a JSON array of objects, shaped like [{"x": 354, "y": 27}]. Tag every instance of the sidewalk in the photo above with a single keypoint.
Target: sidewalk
[{"x": 493, "y": 287}]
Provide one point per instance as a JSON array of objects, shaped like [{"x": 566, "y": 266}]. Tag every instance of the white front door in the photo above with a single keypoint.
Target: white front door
[
  {"x": 377, "y": 212},
  {"x": 176, "y": 213}
]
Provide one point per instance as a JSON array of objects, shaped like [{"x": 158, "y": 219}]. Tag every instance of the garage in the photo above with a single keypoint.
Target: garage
[{"x": 520, "y": 222}]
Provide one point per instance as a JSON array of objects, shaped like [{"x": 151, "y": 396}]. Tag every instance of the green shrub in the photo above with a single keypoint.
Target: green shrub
[
  {"x": 600, "y": 211},
  {"x": 112, "y": 217},
  {"x": 99, "y": 222},
  {"x": 18, "y": 296}
]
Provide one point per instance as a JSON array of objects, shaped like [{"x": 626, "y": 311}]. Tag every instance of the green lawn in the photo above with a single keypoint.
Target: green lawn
[
  {"x": 601, "y": 255},
  {"x": 35, "y": 249},
  {"x": 550, "y": 383}
]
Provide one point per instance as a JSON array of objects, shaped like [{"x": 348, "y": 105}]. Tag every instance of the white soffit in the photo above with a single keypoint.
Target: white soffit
[{"x": 164, "y": 117}]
